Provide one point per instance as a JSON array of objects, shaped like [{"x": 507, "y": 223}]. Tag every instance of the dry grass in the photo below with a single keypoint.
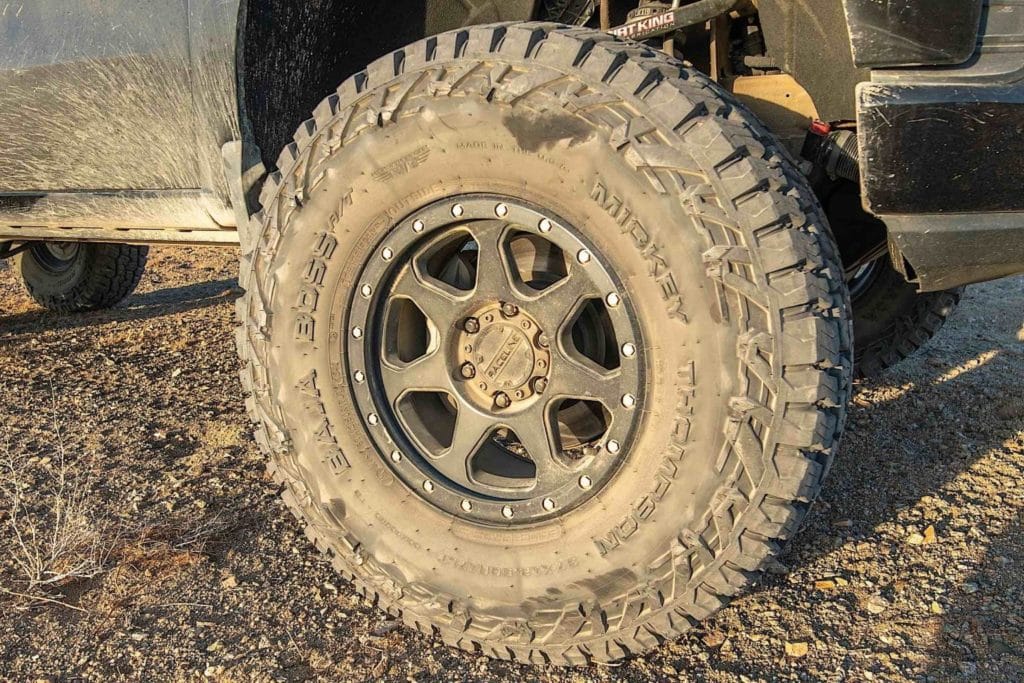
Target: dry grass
[
  {"x": 55, "y": 534},
  {"x": 52, "y": 531}
]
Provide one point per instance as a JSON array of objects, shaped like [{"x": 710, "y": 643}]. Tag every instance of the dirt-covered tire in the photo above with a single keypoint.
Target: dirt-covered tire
[
  {"x": 891, "y": 320},
  {"x": 71, "y": 277},
  {"x": 742, "y": 335}
]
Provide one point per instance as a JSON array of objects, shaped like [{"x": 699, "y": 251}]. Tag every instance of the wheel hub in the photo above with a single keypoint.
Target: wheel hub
[
  {"x": 495, "y": 359},
  {"x": 507, "y": 358}
]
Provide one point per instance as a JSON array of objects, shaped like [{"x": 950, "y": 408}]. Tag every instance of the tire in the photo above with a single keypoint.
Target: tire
[
  {"x": 72, "y": 277},
  {"x": 891, "y": 320},
  {"x": 742, "y": 331}
]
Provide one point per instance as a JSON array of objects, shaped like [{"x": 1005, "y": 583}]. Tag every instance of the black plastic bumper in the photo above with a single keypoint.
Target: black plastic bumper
[{"x": 942, "y": 158}]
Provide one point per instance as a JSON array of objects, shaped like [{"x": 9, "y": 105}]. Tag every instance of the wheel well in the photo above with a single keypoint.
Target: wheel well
[{"x": 292, "y": 54}]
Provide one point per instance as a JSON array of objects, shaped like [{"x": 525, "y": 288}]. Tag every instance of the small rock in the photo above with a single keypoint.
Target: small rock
[
  {"x": 936, "y": 608},
  {"x": 796, "y": 649},
  {"x": 230, "y": 581},
  {"x": 713, "y": 639},
  {"x": 970, "y": 587},
  {"x": 915, "y": 539},
  {"x": 929, "y": 535},
  {"x": 876, "y": 604}
]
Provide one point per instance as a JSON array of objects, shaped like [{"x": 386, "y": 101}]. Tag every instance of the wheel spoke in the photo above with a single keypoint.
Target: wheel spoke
[
  {"x": 578, "y": 378},
  {"x": 555, "y": 305},
  {"x": 438, "y": 301},
  {"x": 429, "y": 373},
  {"x": 471, "y": 428},
  {"x": 533, "y": 428},
  {"x": 492, "y": 278}
]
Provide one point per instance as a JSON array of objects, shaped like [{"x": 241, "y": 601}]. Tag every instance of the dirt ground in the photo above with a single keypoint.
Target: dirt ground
[{"x": 123, "y": 443}]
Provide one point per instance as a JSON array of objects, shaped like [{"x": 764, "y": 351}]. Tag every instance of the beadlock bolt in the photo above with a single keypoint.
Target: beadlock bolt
[
  {"x": 387, "y": 253},
  {"x": 468, "y": 371},
  {"x": 613, "y": 446},
  {"x": 628, "y": 350},
  {"x": 548, "y": 504},
  {"x": 613, "y": 299},
  {"x": 360, "y": 376},
  {"x": 466, "y": 505},
  {"x": 628, "y": 400},
  {"x": 585, "y": 482},
  {"x": 457, "y": 210},
  {"x": 545, "y": 225},
  {"x": 583, "y": 256},
  {"x": 501, "y": 210},
  {"x": 373, "y": 419},
  {"x": 396, "y": 456},
  {"x": 357, "y": 332},
  {"x": 507, "y": 512},
  {"x": 428, "y": 486},
  {"x": 418, "y": 226},
  {"x": 366, "y": 291}
]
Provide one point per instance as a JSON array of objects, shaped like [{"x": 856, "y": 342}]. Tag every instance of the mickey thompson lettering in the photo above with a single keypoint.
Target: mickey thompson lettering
[{"x": 647, "y": 246}]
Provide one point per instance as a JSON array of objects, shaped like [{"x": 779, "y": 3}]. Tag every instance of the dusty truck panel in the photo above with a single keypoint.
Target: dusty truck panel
[{"x": 96, "y": 96}]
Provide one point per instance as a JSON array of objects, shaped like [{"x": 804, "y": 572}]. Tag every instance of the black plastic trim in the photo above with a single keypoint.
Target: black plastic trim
[
  {"x": 912, "y": 32},
  {"x": 950, "y": 250}
]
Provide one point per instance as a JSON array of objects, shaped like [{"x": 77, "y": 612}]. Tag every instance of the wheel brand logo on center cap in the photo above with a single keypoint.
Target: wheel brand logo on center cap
[{"x": 504, "y": 355}]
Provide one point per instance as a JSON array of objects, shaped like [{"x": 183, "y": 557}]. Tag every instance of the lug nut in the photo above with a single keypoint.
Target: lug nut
[
  {"x": 502, "y": 400},
  {"x": 509, "y": 310},
  {"x": 471, "y": 325},
  {"x": 540, "y": 385},
  {"x": 468, "y": 371},
  {"x": 543, "y": 341}
]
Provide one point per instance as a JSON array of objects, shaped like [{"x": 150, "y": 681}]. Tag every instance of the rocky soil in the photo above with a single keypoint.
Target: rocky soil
[{"x": 123, "y": 443}]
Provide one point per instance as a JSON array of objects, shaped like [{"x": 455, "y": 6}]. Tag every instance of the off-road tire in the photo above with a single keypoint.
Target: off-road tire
[
  {"x": 722, "y": 247},
  {"x": 891, "y": 320},
  {"x": 97, "y": 276}
]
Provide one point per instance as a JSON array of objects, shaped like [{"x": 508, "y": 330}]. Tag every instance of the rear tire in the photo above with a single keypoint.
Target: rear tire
[
  {"x": 741, "y": 337},
  {"x": 891, "y": 320},
  {"x": 70, "y": 277}
]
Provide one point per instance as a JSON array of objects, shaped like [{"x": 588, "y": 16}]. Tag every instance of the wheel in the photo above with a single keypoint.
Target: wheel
[
  {"x": 890, "y": 319},
  {"x": 69, "y": 277},
  {"x": 546, "y": 339}
]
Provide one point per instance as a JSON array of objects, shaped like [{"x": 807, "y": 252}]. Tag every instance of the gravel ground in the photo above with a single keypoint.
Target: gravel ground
[{"x": 182, "y": 563}]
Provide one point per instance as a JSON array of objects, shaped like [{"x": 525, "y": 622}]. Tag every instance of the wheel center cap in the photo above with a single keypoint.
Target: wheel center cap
[
  {"x": 503, "y": 356},
  {"x": 506, "y": 356}
]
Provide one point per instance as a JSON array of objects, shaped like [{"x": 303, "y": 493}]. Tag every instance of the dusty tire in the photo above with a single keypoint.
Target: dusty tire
[
  {"x": 719, "y": 246},
  {"x": 891, "y": 320},
  {"x": 72, "y": 277}
]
